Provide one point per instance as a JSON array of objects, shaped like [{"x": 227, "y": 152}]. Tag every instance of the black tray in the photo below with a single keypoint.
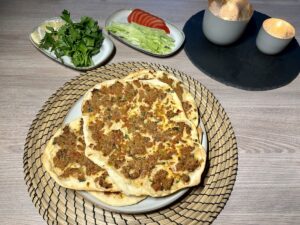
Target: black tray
[{"x": 241, "y": 64}]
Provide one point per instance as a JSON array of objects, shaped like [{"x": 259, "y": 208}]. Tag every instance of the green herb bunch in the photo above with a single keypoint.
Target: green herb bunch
[{"x": 80, "y": 41}]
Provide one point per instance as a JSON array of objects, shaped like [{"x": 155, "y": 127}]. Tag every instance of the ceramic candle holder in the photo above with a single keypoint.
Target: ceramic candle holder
[
  {"x": 220, "y": 31},
  {"x": 274, "y": 35}
]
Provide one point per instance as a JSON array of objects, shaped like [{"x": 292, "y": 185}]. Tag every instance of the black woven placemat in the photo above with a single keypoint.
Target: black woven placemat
[{"x": 241, "y": 64}]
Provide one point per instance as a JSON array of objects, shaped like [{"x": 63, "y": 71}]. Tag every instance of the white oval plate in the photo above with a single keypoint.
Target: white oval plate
[
  {"x": 146, "y": 205},
  {"x": 106, "y": 50},
  {"x": 120, "y": 16}
]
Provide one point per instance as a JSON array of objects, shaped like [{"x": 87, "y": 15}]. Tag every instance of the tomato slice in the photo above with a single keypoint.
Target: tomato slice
[
  {"x": 149, "y": 20},
  {"x": 156, "y": 20},
  {"x": 132, "y": 14},
  {"x": 129, "y": 18},
  {"x": 153, "y": 20},
  {"x": 139, "y": 17},
  {"x": 162, "y": 27},
  {"x": 144, "y": 19},
  {"x": 136, "y": 15}
]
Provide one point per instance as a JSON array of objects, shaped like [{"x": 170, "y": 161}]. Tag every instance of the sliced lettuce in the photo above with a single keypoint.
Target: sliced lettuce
[{"x": 149, "y": 39}]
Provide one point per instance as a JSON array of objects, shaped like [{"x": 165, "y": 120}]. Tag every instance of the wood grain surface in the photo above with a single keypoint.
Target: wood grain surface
[{"x": 267, "y": 124}]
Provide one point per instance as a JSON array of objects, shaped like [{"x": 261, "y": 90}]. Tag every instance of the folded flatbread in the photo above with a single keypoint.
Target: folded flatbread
[{"x": 65, "y": 161}]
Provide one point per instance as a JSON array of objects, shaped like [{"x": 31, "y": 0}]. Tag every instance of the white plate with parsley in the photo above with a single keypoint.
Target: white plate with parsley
[{"x": 80, "y": 45}]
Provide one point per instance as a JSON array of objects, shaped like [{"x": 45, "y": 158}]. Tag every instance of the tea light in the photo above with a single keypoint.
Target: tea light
[
  {"x": 220, "y": 31},
  {"x": 225, "y": 21},
  {"x": 279, "y": 28},
  {"x": 274, "y": 35}
]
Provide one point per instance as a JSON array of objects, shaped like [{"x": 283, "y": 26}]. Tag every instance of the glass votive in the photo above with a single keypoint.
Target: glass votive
[
  {"x": 220, "y": 31},
  {"x": 274, "y": 35}
]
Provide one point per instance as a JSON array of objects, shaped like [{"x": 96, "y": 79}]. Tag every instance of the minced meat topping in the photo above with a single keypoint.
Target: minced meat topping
[
  {"x": 145, "y": 117},
  {"x": 102, "y": 181},
  {"x": 179, "y": 91},
  {"x": 71, "y": 150},
  {"x": 161, "y": 181}
]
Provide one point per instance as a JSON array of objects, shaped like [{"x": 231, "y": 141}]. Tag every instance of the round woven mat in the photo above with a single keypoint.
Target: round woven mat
[{"x": 201, "y": 205}]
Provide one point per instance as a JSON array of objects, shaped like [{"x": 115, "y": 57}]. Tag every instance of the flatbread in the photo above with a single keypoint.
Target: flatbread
[
  {"x": 65, "y": 161},
  {"x": 82, "y": 181},
  {"x": 187, "y": 100},
  {"x": 116, "y": 198},
  {"x": 137, "y": 130}
]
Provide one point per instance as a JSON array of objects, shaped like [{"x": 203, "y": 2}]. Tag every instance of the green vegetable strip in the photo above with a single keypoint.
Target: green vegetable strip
[
  {"x": 80, "y": 41},
  {"x": 149, "y": 39}
]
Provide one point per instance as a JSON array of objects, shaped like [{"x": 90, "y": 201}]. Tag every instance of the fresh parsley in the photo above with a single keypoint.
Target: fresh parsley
[{"x": 80, "y": 41}]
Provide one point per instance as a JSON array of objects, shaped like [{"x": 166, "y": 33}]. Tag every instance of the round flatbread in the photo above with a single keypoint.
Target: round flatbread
[
  {"x": 65, "y": 161},
  {"x": 116, "y": 198},
  {"x": 187, "y": 100},
  {"x": 138, "y": 131}
]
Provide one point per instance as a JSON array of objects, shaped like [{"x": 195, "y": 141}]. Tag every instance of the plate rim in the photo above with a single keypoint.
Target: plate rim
[{"x": 109, "y": 18}]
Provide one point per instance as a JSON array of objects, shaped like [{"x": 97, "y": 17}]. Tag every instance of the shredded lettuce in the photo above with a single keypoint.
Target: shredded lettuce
[{"x": 150, "y": 39}]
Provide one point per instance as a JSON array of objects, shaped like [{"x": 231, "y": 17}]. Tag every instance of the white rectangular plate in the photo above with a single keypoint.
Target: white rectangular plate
[
  {"x": 106, "y": 50},
  {"x": 120, "y": 16}
]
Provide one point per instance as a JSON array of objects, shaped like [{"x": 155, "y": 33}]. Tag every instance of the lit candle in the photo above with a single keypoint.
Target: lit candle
[
  {"x": 274, "y": 35},
  {"x": 279, "y": 28}
]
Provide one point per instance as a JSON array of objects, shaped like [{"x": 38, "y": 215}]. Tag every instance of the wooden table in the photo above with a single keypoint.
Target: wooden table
[{"x": 267, "y": 124}]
